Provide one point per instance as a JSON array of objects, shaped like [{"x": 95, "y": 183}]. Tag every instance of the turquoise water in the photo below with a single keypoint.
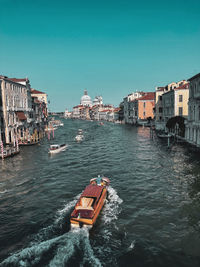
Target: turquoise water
[{"x": 151, "y": 216}]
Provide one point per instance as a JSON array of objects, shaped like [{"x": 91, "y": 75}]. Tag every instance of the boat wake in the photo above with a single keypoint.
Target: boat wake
[
  {"x": 59, "y": 251},
  {"x": 50, "y": 248},
  {"x": 112, "y": 206}
]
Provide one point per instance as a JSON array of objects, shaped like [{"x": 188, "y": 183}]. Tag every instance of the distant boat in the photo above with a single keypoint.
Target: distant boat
[
  {"x": 57, "y": 148},
  {"x": 79, "y": 138},
  {"x": 90, "y": 203}
]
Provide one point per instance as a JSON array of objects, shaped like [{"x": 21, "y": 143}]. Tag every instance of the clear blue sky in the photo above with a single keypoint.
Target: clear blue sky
[{"x": 109, "y": 47}]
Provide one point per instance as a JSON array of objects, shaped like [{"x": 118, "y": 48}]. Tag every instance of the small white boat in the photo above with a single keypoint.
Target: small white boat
[
  {"x": 57, "y": 148},
  {"x": 79, "y": 138}
]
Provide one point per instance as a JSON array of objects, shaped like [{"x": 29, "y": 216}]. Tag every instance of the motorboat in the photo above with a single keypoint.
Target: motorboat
[
  {"x": 79, "y": 138},
  {"x": 90, "y": 203},
  {"x": 57, "y": 148},
  {"x": 80, "y": 131}
]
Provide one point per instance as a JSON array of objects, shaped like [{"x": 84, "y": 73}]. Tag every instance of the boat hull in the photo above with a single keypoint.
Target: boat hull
[
  {"x": 81, "y": 222},
  {"x": 58, "y": 150}
]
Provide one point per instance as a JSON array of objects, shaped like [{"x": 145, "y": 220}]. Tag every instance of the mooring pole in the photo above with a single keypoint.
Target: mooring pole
[{"x": 168, "y": 141}]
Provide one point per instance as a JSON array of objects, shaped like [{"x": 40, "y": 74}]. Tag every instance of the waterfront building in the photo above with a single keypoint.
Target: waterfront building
[
  {"x": 86, "y": 99},
  {"x": 39, "y": 120},
  {"x": 192, "y": 132},
  {"x": 15, "y": 107},
  {"x": 98, "y": 101},
  {"x": 121, "y": 112},
  {"x": 21, "y": 113},
  {"x": 160, "y": 121},
  {"x": 76, "y": 113},
  {"x": 130, "y": 116},
  {"x": 146, "y": 105},
  {"x": 85, "y": 113},
  {"x": 175, "y": 102},
  {"x": 67, "y": 114},
  {"x": 40, "y": 96}
]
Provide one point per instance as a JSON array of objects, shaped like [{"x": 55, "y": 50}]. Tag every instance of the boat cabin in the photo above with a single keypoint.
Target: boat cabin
[{"x": 54, "y": 147}]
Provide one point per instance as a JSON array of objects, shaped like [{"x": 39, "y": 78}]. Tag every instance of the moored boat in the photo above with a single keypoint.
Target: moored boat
[
  {"x": 90, "y": 203},
  {"x": 9, "y": 152},
  {"x": 164, "y": 135},
  {"x": 57, "y": 148}
]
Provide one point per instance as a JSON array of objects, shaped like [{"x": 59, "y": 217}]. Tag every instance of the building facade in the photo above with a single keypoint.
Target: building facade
[
  {"x": 146, "y": 106},
  {"x": 86, "y": 99},
  {"x": 192, "y": 132},
  {"x": 16, "y": 107},
  {"x": 130, "y": 112},
  {"x": 175, "y": 102}
]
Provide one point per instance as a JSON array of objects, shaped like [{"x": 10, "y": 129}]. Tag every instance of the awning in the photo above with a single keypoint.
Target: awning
[{"x": 21, "y": 116}]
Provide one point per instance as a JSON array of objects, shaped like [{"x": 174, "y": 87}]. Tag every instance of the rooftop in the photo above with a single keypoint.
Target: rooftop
[
  {"x": 148, "y": 96},
  {"x": 194, "y": 77},
  {"x": 33, "y": 91}
]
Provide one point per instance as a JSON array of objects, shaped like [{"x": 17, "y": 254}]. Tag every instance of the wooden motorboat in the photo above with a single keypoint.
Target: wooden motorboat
[
  {"x": 57, "y": 148},
  {"x": 90, "y": 203}
]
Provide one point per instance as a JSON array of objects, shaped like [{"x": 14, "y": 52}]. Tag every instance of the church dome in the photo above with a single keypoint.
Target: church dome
[{"x": 86, "y": 99}]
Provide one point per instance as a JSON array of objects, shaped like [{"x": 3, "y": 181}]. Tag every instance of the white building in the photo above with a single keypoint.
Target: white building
[
  {"x": 86, "y": 99},
  {"x": 98, "y": 101}
]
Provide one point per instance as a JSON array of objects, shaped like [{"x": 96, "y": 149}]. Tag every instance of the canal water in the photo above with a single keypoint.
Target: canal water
[{"x": 151, "y": 216}]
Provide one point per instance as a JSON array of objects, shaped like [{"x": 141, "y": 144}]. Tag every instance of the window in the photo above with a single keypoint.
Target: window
[
  {"x": 144, "y": 113},
  {"x": 144, "y": 104},
  {"x": 180, "y": 98},
  {"x": 180, "y": 111},
  {"x": 160, "y": 98},
  {"x": 160, "y": 110}
]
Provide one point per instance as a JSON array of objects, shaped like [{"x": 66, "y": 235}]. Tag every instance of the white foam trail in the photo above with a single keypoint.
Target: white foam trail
[
  {"x": 132, "y": 245},
  {"x": 31, "y": 255},
  {"x": 65, "y": 246},
  {"x": 4, "y": 191},
  {"x": 111, "y": 208},
  {"x": 46, "y": 232},
  {"x": 89, "y": 253},
  {"x": 66, "y": 249},
  {"x": 67, "y": 207}
]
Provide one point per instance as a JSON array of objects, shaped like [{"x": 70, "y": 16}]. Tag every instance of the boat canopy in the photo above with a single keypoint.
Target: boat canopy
[{"x": 92, "y": 191}]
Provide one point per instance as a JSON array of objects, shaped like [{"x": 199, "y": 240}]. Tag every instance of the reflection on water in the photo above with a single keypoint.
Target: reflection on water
[{"x": 151, "y": 216}]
